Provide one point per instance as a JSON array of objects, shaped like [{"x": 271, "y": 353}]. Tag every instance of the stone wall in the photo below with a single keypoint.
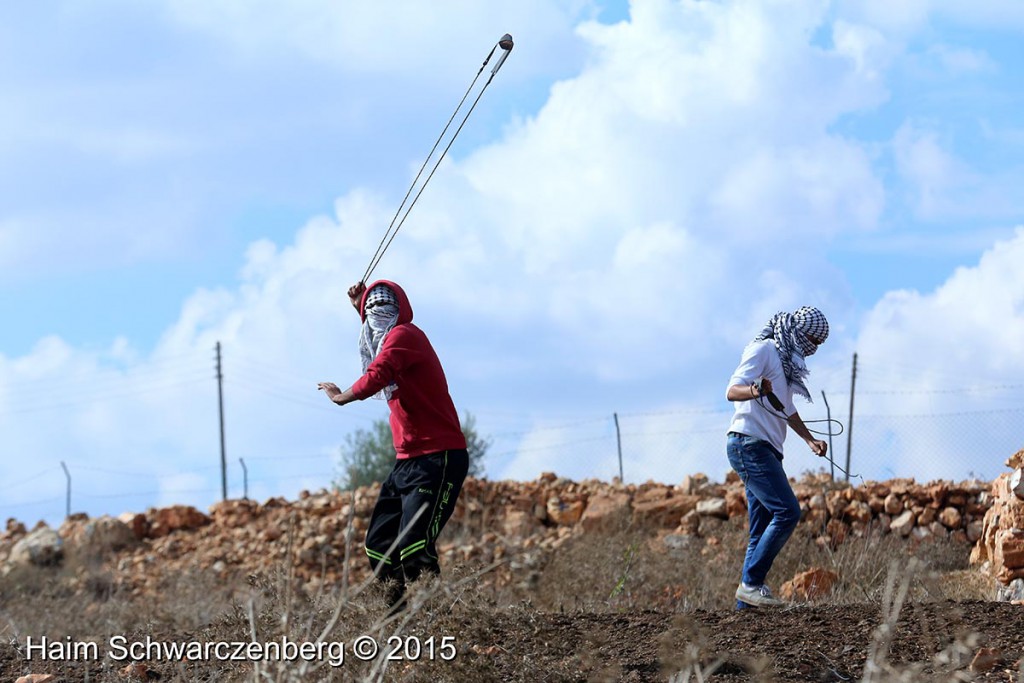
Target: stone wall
[
  {"x": 1000, "y": 550},
  {"x": 522, "y": 522}
]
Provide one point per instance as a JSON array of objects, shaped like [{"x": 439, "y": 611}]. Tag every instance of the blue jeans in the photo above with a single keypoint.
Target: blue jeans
[{"x": 771, "y": 504}]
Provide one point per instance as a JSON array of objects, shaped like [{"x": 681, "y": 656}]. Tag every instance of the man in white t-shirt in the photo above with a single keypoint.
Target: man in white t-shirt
[{"x": 771, "y": 370}]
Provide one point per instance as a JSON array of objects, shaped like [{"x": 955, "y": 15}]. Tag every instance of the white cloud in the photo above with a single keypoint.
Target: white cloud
[
  {"x": 357, "y": 37},
  {"x": 941, "y": 329},
  {"x": 942, "y": 185},
  {"x": 1002, "y": 15},
  {"x": 929, "y": 168},
  {"x": 865, "y": 45},
  {"x": 614, "y": 249},
  {"x": 894, "y": 17},
  {"x": 948, "y": 360},
  {"x": 907, "y": 17},
  {"x": 585, "y": 235},
  {"x": 958, "y": 60}
]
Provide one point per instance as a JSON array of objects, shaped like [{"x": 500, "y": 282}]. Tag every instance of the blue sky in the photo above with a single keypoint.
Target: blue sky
[{"x": 641, "y": 187}]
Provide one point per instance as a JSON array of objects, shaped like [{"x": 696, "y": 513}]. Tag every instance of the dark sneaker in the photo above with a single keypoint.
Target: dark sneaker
[{"x": 758, "y": 596}]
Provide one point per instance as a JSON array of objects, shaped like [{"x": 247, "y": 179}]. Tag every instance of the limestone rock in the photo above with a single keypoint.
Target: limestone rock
[
  {"x": 651, "y": 493},
  {"x": 41, "y": 547},
  {"x": 1001, "y": 540},
  {"x": 1013, "y": 591},
  {"x": 736, "y": 502},
  {"x": 164, "y": 521},
  {"x": 986, "y": 659},
  {"x": 810, "y": 585},
  {"x": 690, "y": 523},
  {"x": 951, "y": 518},
  {"x": 99, "y": 537},
  {"x": 15, "y": 529},
  {"x": 857, "y": 511},
  {"x": 893, "y": 504},
  {"x": 136, "y": 670},
  {"x": 532, "y": 502},
  {"x": 136, "y": 522},
  {"x": 564, "y": 513},
  {"x": 1009, "y": 548},
  {"x": 605, "y": 512},
  {"x": 714, "y": 507},
  {"x": 664, "y": 513},
  {"x": 1017, "y": 483},
  {"x": 517, "y": 523},
  {"x": 693, "y": 483},
  {"x": 903, "y": 524},
  {"x": 234, "y": 513}
]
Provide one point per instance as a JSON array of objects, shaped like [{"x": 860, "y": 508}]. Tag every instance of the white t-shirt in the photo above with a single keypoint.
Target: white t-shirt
[{"x": 761, "y": 359}]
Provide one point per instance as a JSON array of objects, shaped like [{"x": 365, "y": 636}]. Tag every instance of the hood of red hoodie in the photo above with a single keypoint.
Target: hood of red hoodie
[{"x": 404, "y": 307}]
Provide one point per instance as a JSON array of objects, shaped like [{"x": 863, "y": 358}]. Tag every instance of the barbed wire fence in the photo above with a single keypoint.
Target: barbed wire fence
[{"x": 945, "y": 430}]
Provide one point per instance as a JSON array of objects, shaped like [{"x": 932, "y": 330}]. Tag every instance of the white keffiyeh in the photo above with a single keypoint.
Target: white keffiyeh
[
  {"x": 792, "y": 333},
  {"x": 381, "y": 315}
]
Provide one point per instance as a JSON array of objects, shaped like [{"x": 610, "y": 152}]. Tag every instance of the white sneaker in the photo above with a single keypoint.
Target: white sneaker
[{"x": 758, "y": 596}]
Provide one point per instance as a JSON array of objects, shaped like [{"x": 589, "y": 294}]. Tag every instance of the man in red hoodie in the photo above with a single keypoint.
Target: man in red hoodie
[{"x": 418, "y": 496}]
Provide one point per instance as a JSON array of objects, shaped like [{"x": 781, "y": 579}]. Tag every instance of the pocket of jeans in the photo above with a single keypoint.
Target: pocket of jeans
[{"x": 736, "y": 461}]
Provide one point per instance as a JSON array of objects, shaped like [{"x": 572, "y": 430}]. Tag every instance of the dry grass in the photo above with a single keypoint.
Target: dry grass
[
  {"x": 625, "y": 570},
  {"x": 615, "y": 572}
]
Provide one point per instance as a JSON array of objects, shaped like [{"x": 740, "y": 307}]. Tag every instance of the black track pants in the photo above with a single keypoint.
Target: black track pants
[{"x": 430, "y": 483}]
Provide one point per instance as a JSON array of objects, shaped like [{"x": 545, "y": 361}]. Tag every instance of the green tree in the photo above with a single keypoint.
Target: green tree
[{"x": 369, "y": 454}]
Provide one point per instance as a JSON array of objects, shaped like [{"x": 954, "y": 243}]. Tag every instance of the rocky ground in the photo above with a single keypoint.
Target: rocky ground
[
  {"x": 936, "y": 641},
  {"x": 547, "y": 580},
  {"x": 932, "y": 641}
]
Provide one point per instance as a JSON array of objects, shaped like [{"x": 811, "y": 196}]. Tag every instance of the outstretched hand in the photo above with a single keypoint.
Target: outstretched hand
[
  {"x": 818, "y": 447},
  {"x": 329, "y": 388},
  {"x": 337, "y": 396}
]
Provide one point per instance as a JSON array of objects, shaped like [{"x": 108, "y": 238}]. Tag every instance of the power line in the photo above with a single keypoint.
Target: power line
[
  {"x": 954, "y": 391},
  {"x": 548, "y": 428},
  {"x": 101, "y": 387},
  {"x": 302, "y": 400},
  {"x": 548, "y": 447},
  {"x": 96, "y": 377},
  {"x": 211, "y": 490},
  {"x": 16, "y": 484},
  {"x": 102, "y": 397},
  {"x": 963, "y": 413},
  {"x": 27, "y": 503},
  {"x": 247, "y": 364}
]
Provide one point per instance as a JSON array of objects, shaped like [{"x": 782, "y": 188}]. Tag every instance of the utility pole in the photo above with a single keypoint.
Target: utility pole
[
  {"x": 220, "y": 404},
  {"x": 67, "y": 475},
  {"x": 618, "y": 440},
  {"x": 245, "y": 480},
  {"x": 849, "y": 424}
]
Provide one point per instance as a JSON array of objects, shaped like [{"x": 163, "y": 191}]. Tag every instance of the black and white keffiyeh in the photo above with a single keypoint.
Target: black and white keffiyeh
[
  {"x": 792, "y": 334},
  {"x": 381, "y": 315}
]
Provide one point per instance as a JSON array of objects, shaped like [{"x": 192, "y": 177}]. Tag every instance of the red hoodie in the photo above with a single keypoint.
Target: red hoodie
[{"x": 423, "y": 417}]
